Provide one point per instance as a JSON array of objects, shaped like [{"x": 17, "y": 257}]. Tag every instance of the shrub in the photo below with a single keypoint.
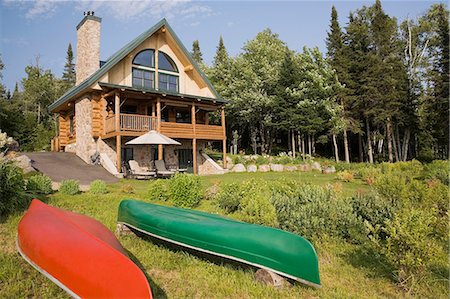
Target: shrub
[
  {"x": 369, "y": 174},
  {"x": 98, "y": 187},
  {"x": 408, "y": 170},
  {"x": 185, "y": 190},
  {"x": 261, "y": 160},
  {"x": 40, "y": 183},
  {"x": 69, "y": 187},
  {"x": 159, "y": 190},
  {"x": 127, "y": 188},
  {"x": 409, "y": 244},
  {"x": 345, "y": 176},
  {"x": 257, "y": 208},
  {"x": 439, "y": 170},
  {"x": 12, "y": 188},
  {"x": 393, "y": 187},
  {"x": 229, "y": 197},
  {"x": 313, "y": 210}
]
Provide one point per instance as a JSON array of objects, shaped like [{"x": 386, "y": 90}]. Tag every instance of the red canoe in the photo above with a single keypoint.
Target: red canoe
[{"x": 79, "y": 254}]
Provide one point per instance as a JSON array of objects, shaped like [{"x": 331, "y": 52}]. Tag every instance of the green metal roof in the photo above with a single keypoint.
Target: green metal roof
[
  {"x": 162, "y": 92},
  {"x": 119, "y": 55}
]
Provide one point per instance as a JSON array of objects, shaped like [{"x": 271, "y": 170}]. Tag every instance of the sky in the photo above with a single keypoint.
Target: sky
[{"x": 42, "y": 29}]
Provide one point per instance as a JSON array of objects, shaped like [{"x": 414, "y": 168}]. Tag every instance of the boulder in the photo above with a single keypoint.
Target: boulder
[
  {"x": 239, "y": 168},
  {"x": 264, "y": 168},
  {"x": 290, "y": 168},
  {"x": 316, "y": 166},
  {"x": 304, "y": 167},
  {"x": 328, "y": 170},
  {"x": 276, "y": 167},
  {"x": 252, "y": 168},
  {"x": 24, "y": 162}
]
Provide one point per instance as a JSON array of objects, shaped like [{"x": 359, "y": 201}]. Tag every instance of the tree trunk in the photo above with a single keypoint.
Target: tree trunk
[
  {"x": 336, "y": 153},
  {"x": 406, "y": 144},
  {"x": 360, "y": 148},
  {"x": 309, "y": 144},
  {"x": 253, "y": 138},
  {"x": 289, "y": 140},
  {"x": 389, "y": 141},
  {"x": 347, "y": 155},
  {"x": 293, "y": 143},
  {"x": 394, "y": 144},
  {"x": 399, "y": 144},
  {"x": 299, "y": 141},
  {"x": 369, "y": 142},
  {"x": 262, "y": 133},
  {"x": 303, "y": 146},
  {"x": 313, "y": 145}
]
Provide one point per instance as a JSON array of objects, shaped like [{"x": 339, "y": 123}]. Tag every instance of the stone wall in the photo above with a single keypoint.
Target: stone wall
[{"x": 85, "y": 143}]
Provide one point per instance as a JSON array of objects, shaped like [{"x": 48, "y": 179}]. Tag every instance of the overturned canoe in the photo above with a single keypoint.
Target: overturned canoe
[
  {"x": 279, "y": 251},
  {"x": 79, "y": 254}
]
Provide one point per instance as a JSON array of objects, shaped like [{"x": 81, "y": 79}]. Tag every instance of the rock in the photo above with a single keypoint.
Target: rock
[
  {"x": 123, "y": 230},
  {"x": 328, "y": 170},
  {"x": 316, "y": 166},
  {"x": 24, "y": 162},
  {"x": 252, "y": 168},
  {"x": 277, "y": 167},
  {"x": 304, "y": 167},
  {"x": 229, "y": 160},
  {"x": 239, "y": 168},
  {"x": 264, "y": 168},
  {"x": 269, "y": 278},
  {"x": 290, "y": 168}
]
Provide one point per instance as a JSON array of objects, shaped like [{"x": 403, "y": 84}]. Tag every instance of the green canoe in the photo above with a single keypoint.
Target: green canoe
[{"x": 281, "y": 252}]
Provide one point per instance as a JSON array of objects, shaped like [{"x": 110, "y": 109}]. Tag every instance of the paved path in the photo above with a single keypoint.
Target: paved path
[{"x": 63, "y": 166}]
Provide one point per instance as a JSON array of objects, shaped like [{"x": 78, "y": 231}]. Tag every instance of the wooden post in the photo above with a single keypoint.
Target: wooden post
[
  {"x": 118, "y": 139},
  {"x": 206, "y": 118},
  {"x": 224, "y": 138},
  {"x": 194, "y": 140},
  {"x": 158, "y": 126},
  {"x": 119, "y": 153}
]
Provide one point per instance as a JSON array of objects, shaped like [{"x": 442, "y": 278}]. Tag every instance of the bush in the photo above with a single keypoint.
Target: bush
[
  {"x": 439, "y": 170},
  {"x": 185, "y": 190},
  {"x": 98, "y": 187},
  {"x": 261, "y": 160},
  {"x": 12, "y": 188},
  {"x": 257, "y": 208},
  {"x": 159, "y": 190},
  {"x": 229, "y": 197},
  {"x": 393, "y": 188},
  {"x": 312, "y": 211},
  {"x": 69, "y": 187},
  {"x": 409, "y": 244},
  {"x": 409, "y": 170},
  {"x": 40, "y": 183},
  {"x": 345, "y": 176},
  {"x": 127, "y": 188},
  {"x": 369, "y": 174}
]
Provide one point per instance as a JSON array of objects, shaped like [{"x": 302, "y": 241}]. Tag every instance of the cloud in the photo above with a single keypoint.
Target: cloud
[{"x": 122, "y": 10}]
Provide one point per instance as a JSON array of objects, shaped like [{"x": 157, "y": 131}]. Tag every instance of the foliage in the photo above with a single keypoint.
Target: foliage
[
  {"x": 12, "y": 188},
  {"x": 229, "y": 197},
  {"x": 256, "y": 208},
  {"x": 313, "y": 211},
  {"x": 69, "y": 75},
  {"x": 159, "y": 190},
  {"x": 127, "y": 188},
  {"x": 345, "y": 176},
  {"x": 98, "y": 187},
  {"x": 4, "y": 140},
  {"x": 410, "y": 245},
  {"x": 185, "y": 190},
  {"x": 69, "y": 187},
  {"x": 40, "y": 183},
  {"x": 439, "y": 170},
  {"x": 369, "y": 174}
]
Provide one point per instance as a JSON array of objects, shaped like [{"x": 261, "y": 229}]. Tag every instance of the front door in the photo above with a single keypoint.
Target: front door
[{"x": 185, "y": 159}]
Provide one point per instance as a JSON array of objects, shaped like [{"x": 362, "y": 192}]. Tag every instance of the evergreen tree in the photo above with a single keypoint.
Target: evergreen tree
[
  {"x": 68, "y": 76},
  {"x": 196, "y": 53}
]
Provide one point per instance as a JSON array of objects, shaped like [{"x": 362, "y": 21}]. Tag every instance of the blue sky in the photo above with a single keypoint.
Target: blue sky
[{"x": 44, "y": 28}]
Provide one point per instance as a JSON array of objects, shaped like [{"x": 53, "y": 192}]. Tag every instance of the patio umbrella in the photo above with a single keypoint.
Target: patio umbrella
[{"x": 153, "y": 137}]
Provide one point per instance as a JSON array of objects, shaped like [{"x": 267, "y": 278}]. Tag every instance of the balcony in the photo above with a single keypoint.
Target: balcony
[{"x": 135, "y": 125}]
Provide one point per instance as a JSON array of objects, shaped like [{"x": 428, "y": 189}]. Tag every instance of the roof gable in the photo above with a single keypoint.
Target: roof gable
[{"x": 122, "y": 53}]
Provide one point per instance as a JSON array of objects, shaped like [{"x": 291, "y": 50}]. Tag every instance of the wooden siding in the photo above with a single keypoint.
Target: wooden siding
[{"x": 97, "y": 117}]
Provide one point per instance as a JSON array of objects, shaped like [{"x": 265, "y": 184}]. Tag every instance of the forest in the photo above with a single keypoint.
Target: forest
[{"x": 379, "y": 93}]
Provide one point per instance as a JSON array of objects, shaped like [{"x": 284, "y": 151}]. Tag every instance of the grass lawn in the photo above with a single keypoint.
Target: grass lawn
[{"x": 347, "y": 270}]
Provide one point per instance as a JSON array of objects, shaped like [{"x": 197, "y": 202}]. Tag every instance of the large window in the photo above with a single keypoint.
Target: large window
[
  {"x": 144, "y": 71},
  {"x": 143, "y": 78}
]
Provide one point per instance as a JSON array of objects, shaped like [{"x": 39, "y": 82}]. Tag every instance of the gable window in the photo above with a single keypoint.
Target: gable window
[{"x": 144, "y": 71}]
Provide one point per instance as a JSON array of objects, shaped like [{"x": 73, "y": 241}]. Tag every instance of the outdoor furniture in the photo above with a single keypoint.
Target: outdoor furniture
[
  {"x": 161, "y": 169},
  {"x": 139, "y": 172}
]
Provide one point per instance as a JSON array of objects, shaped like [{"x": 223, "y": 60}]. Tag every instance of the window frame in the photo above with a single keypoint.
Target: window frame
[{"x": 143, "y": 69}]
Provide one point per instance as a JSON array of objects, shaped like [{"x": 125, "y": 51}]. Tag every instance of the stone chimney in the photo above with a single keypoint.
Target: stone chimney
[{"x": 88, "y": 46}]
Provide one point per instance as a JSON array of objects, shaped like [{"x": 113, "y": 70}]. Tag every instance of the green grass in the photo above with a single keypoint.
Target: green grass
[{"x": 347, "y": 270}]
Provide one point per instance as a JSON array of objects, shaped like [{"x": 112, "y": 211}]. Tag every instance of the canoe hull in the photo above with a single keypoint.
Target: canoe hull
[
  {"x": 281, "y": 252},
  {"x": 79, "y": 254}
]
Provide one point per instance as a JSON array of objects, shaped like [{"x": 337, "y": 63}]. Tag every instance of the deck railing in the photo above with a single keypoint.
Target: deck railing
[
  {"x": 137, "y": 123},
  {"x": 110, "y": 124}
]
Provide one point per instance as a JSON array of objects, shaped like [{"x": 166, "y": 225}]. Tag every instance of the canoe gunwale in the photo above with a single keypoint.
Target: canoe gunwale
[
  {"x": 45, "y": 273},
  {"x": 309, "y": 283}
]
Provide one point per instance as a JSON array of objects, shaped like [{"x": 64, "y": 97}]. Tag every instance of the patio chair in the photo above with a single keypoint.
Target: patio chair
[
  {"x": 161, "y": 169},
  {"x": 139, "y": 172}
]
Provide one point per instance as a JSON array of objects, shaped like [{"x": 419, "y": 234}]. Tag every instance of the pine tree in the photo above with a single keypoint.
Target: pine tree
[
  {"x": 196, "y": 53},
  {"x": 68, "y": 76}
]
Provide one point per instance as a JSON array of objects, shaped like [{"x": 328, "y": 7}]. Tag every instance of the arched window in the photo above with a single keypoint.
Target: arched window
[
  {"x": 145, "y": 58},
  {"x": 166, "y": 63}
]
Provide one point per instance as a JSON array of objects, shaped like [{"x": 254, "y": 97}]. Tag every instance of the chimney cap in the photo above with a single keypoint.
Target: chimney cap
[{"x": 89, "y": 15}]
